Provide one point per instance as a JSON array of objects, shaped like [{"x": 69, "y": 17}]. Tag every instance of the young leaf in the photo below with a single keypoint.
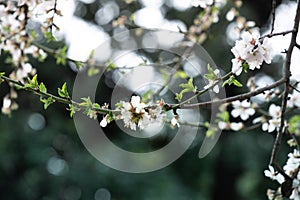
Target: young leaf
[
  {"x": 32, "y": 83},
  {"x": 49, "y": 36},
  {"x": 237, "y": 83},
  {"x": 93, "y": 71},
  {"x": 231, "y": 81},
  {"x": 179, "y": 96},
  {"x": 78, "y": 64},
  {"x": 181, "y": 74},
  {"x": 47, "y": 102},
  {"x": 62, "y": 92},
  {"x": 73, "y": 109},
  {"x": 43, "y": 88},
  {"x": 61, "y": 56}
]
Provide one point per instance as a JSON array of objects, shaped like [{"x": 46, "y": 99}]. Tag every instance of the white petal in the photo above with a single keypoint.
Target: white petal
[
  {"x": 265, "y": 126},
  {"x": 216, "y": 89},
  {"x": 103, "y": 122},
  {"x": 244, "y": 116},
  {"x": 235, "y": 113},
  {"x": 236, "y": 126},
  {"x": 135, "y": 101},
  {"x": 250, "y": 111}
]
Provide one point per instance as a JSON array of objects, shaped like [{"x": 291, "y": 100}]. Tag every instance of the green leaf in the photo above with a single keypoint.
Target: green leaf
[
  {"x": 32, "y": 83},
  {"x": 294, "y": 125},
  {"x": 206, "y": 124},
  {"x": 111, "y": 66},
  {"x": 2, "y": 74},
  {"x": 181, "y": 74},
  {"x": 47, "y": 102},
  {"x": 43, "y": 88},
  {"x": 73, "y": 109},
  {"x": 237, "y": 83},
  {"x": 86, "y": 102},
  {"x": 33, "y": 34},
  {"x": 211, "y": 132},
  {"x": 231, "y": 80},
  {"x": 187, "y": 87},
  {"x": 49, "y": 36},
  {"x": 62, "y": 92},
  {"x": 178, "y": 96},
  {"x": 146, "y": 96},
  {"x": 96, "y": 105},
  {"x": 61, "y": 56},
  {"x": 93, "y": 71},
  {"x": 78, "y": 64},
  {"x": 224, "y": 116},
  {"x": 91, "y": 56},
  {"x": 209, "y": 76}
]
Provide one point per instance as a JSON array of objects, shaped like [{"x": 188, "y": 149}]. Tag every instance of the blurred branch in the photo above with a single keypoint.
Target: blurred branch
[
  {"x": 170, "y": 77},
  {"x": 273, "y": 15}
]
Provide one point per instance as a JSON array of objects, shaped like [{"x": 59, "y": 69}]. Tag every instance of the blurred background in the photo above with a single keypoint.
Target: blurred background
[{"x": 42, "y": 157}]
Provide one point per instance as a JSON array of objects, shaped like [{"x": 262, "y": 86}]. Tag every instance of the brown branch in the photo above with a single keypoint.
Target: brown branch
[
  {"x": 234, "y": 98},
  {"x": 277, "y": 34},
  {"x": 273, "y": 15},
  {"x": 287, "y": 74}
]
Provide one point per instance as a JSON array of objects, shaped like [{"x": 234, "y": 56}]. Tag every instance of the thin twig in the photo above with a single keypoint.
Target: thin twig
[
  {"x": 234, "y": 98},
  {"x": 273, "y": 15},
  {"x": 283, "y": 33},
  {"x": 294, "y": 88}
]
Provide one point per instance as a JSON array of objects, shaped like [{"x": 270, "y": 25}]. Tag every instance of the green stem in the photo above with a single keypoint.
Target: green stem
[{"x": 54, "y": 97}]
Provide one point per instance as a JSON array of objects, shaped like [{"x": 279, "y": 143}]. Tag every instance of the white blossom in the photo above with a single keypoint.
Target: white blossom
[
  {"x": 223, "y": 125},
  {"x": 138, "y": 114},
  {"x": 104, "y": 122},
  {"x": 273, "y": 123},
  {"x": 242, "y": 109},
  {"x": 6, "y": 107},
  {"x": 274, "y": 175},
  {"x": 292, "y": 163},
  {"x": 236, "y": 126},
  {"x": 294, "y": 99},
  {"x": 174, "y": 121},
  {"x": 251, "y": 51}
]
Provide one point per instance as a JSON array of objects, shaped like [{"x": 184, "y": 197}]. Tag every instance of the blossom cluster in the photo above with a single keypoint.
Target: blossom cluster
[
  {"x": 18, "y": 42},
  {"x": 243, "y": 109},
  {"x": 291, "y": 168},
  {"x": 207, "y": 17},
  {"x": 138, "y": 114},
  {"x": 250, "y": 52}
]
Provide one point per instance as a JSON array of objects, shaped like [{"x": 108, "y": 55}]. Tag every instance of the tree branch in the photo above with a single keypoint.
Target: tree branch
[
  {"x": 277, "y": 34},
  {"x": 287, "y": 74},
  {"x": 234, "y": 98},
  {"x": 273, "y": 15},
  {"x": 54, "y": 97}
]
